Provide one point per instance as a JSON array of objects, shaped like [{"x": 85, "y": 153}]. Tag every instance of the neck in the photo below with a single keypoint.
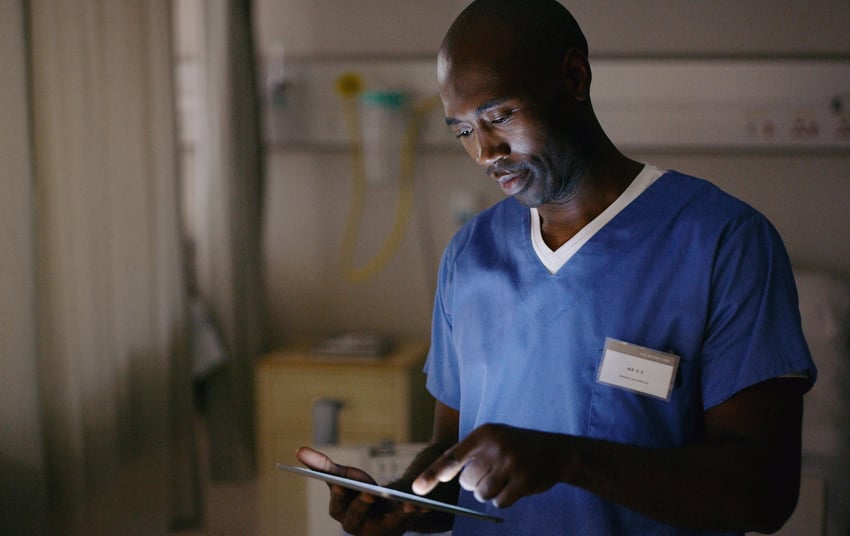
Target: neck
[{"x": 608, "y": 176}]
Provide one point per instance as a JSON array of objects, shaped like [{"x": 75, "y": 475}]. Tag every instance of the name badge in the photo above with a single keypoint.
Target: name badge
[{"x": 637, "y": 368}]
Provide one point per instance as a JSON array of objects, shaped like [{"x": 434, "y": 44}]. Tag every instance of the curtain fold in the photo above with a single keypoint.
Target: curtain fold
[
  {"x": 114, "y": 377},
  {"x": 22, "y": 486},
  {"x": 227, "y": 238}
]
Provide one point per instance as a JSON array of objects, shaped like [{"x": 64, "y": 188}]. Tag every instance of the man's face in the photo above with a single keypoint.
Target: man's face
[{"x": 514, "y": 122}]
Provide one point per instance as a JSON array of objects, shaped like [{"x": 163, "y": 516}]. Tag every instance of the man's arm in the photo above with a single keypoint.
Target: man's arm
[{"x": 742, "y": 475}]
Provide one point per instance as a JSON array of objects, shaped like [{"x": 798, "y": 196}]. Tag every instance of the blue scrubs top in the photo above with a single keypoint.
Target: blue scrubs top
[{"x": 684, "y": 268}]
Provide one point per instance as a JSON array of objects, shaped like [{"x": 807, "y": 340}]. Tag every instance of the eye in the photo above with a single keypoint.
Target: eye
[
  {"x": 501, "y": 117},
  {"x": 463, "y": 133}
]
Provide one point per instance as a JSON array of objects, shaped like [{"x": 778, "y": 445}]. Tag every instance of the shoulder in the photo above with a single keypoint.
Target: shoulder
[
  {"x": 699, "y": 193},
  {"x": 489, "y": 228},
  {"x": 698, "y": 203}
]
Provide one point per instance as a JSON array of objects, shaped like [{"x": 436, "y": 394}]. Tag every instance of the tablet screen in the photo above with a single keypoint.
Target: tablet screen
[{"x": 387, "y": 493}]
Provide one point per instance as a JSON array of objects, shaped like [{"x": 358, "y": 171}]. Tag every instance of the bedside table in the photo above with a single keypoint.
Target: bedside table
[{"x": 382, "y": 398}]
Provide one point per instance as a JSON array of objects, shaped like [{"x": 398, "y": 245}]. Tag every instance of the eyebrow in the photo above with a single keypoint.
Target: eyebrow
[{"x": 481, "y": 109}]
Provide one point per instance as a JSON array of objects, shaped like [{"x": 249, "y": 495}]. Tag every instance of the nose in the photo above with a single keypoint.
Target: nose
[{"x": 489, "y": 148}]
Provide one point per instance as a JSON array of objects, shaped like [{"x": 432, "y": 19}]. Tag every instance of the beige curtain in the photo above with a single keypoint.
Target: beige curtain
[
  {"x": 22, "y": 486},
  {"x": 227, "y": 231},
  {"x": 113, "y": 382}
]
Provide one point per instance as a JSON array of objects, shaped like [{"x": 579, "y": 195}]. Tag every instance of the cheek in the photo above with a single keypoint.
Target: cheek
[
  {"x": 524, "y": 139},
  {"x": 470, "y": 147},
  {"x": 531, "y": 138}
]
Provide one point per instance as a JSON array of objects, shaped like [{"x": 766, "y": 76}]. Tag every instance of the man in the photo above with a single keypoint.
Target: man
[{"x": 615, "y": 349}]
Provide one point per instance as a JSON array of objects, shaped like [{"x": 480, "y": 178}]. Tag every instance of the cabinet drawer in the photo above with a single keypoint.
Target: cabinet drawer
[{"x": 371, "y": 403}]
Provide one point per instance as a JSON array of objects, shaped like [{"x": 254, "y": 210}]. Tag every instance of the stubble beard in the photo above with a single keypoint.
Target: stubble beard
[{"x": 561, "y": 185}]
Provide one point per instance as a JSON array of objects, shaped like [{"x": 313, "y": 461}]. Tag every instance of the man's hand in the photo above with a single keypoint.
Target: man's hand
[
  {"x": 499, "y": 463},
  {"x": 741, "y": 475},
  {"x": 360, "y": 514}
]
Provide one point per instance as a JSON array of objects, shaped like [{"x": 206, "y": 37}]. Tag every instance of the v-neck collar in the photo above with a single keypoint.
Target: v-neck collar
[{"x": 554, "y": 260}]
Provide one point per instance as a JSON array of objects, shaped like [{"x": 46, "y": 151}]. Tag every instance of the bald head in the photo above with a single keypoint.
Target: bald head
[{"x": 536, "y": 31}]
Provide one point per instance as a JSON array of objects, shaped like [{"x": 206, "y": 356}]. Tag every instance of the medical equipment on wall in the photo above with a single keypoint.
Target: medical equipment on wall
[
  {"x": 383, "y": 128},
  {"x": 278, "y": 83}
]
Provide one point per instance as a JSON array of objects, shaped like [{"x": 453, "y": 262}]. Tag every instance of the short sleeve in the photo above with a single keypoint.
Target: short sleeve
[
  {"x": 441, "y": 366},
  {"x": 754, "y": 331}
]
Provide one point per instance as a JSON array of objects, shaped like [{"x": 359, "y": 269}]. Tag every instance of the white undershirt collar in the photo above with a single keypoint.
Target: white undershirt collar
[{"x": 554, "y": 260}]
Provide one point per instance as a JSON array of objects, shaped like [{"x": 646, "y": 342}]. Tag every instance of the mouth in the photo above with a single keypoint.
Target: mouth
[{"x": 512, "y": 183}]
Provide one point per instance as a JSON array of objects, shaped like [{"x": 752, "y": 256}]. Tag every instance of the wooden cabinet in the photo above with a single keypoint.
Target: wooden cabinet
[{"x": 383, "y": 398}]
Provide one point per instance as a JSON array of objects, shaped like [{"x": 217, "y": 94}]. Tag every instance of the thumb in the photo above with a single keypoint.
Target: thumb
[
  {"x": 316, "y": 460},
  {"x": 320, "y": 462}
]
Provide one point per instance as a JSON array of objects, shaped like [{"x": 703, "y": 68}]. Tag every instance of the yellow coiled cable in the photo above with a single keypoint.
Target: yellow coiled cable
[{"x": 349, "y": 86}]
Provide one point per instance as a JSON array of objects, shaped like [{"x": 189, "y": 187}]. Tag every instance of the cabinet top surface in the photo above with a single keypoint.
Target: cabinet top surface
[{"x": 403, "y": 354}]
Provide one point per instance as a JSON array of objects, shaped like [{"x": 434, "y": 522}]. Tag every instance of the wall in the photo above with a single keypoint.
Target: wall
[{"x": 805, "y": 194}]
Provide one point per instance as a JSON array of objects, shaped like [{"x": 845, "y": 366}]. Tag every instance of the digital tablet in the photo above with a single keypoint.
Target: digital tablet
[{"x": 387, "y": 493}]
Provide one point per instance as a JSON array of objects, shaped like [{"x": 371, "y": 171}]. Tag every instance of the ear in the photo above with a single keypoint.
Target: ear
[{"x": 575, "y": 72}]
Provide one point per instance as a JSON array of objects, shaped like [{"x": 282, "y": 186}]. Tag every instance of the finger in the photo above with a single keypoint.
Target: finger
[
  {"x": 509, "y": 494},
  {"x": 474, "y": 471},
  {"x": 481, "y": 479},
  {"x": 444, "y": 469},
  {"x": 411, "y": 508},
  {"x": 320, "y": 462},
  {"x": 441, "y": 471},
  {"x": 315, "y": 460},
  {"x": 340, "y": 498},
  {"x": 402, "y": 517},
  {"x": 490, "y": 486},
  {"x": 356, "y": 513}
]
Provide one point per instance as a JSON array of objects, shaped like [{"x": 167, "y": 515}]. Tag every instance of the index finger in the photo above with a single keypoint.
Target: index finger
[{"x": 444, "y": 468}]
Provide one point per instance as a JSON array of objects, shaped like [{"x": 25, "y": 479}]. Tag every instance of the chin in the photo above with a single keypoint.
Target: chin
[{"x": 530, "y": 201}]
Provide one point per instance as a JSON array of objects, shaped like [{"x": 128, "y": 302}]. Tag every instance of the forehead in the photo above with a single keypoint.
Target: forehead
[{"x": 468, "y": 80}]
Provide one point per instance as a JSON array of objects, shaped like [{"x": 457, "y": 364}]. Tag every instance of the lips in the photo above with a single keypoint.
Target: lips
[{"x": 512, "y": 183}]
